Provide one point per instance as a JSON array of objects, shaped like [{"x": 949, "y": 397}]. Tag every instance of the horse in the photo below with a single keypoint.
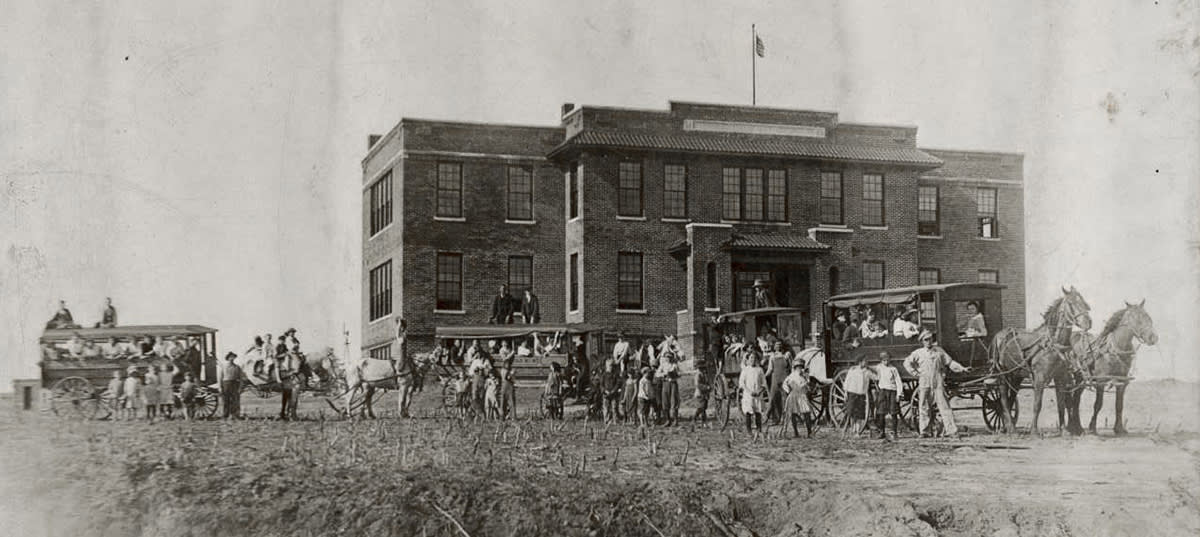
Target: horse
[
  {"x": 1111, "y": 355},
  {"x": 369, "y": 374},
  {"x": 1016, "y": 353}
]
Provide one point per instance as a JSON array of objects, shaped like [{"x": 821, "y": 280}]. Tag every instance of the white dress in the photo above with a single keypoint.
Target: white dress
[{"x": 753, "y": 383}]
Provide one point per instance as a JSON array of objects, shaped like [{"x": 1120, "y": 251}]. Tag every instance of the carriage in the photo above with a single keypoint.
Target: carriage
[
  {"x": 77, "y": 385},
  {"x": 941, "y": 309}
]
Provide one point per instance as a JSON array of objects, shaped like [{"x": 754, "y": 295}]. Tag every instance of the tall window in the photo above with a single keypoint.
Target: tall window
[
  {"x": 449, "y": 190},
  {"x": 520, "y": 193},
  {"x": 381, "y": 291},
  {"x": 753, "y": 194},
  {"x": 520, "y": 274},
  {"x": 383, "y": 352},
  {"x": 872, "y": 200},
  {"x": 989, "y": 276},
  {"x": 986, "y": 202},
  {"x": 745, "y": 288},
  {"x": 674, "y": 191},
  {"x": 731, "y": 197},
  {"x": 574, "y": 282},
  {"x": 629, "y": 199},
  {"x": 831, "y": 198},
  {"x": 573, "y": 188},
  {"x": 710, "y": 274},
  {"x": 929, "y": 276},
  {"x": 629, "y": 280},
  {"x": 872, "y": 275},
  {"x": 449, "y": 281},
  {"x": 381, "y": 203},
  {"x": 927, "y": 211}
]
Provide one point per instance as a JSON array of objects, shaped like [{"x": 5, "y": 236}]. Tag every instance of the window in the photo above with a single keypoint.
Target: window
[
  {"x": 731, "y": 197},
  {"x": 573, "y": 186},
  {"x": 831, "y": 198},
  {"x": 381, "y": 203},
  {"x": 674, "y": 191},
  {"x": 381, "y": 291},
  {"x": 449, "y": 282},
  {"x": 520, "y": 274},
  {"x": 710, "y": 274},
  {"x": 381, "y": 353},
  {"x": 574, "y": 282},
  {"x": 872, "y": 275},
  {"x": 927, "y": 211},
  {"x": 745, "y": 288},
  {"x": 928, "y": 311},
  {"x": 989, "y": 276},
  {"x": 929, "y": 276},
  {"x": 872, "y": 210},
  {"x": 629, "y": 198},
  {"x": 629, "y": 281},
  {"x": 520, "y": 193},
  {"x": 750, "y": 195},
  {"x": 449, "y": 190},
  {"x": 986, "y": 202}
]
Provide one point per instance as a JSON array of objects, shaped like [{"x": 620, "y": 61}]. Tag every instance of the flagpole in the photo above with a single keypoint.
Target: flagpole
[{"x": 753, "y": 66}]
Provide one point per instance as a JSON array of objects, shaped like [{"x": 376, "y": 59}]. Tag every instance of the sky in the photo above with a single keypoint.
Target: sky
[{"x": 200, "y": 162}]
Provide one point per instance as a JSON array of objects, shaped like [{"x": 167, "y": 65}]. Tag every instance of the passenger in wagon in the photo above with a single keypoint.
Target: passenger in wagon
[
  {"x": 113, "y": 349},
  {"x": 75, "y": 346},
  {"x": 850, "y": 337},
  {"x": 839, "y": 326},
  {"x": 904, "y": 326},
  {"x": 872, "y": 328},
  {"x": 90, "y": 350},
  {"x": 974, "y": 327},
  {"x": 108, "y": 317}
]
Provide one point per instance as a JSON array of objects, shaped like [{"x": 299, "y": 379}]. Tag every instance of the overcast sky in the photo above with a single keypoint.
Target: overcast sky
[{"x": 200, "y": 161}]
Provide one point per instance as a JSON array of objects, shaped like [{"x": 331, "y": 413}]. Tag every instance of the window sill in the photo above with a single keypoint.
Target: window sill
[
  {"x": 833, "y": 229},
  {"x": 449, "y": 312},
  {"x": 874, "y": 228},
  {"x": 450, "y": 218},
  {"x": 631, "y": 218},
  {"x": 376, "y": 234},
  {"x": 756, "y": 223},
  {"x": 573, "y": 312},
  {"x": 576, "y": 219},
  {"x": 708, "y": 310},
  {"x": 931, "y": 237},
  {"x": 677, "y": 220},
  {"x": 994, "y": 239},
  {"x": 379, "y": 319},
  {"x": 521, "y": 222},
  {"x": 680, "y": 312},
  {"x": 632, "y": 312}
]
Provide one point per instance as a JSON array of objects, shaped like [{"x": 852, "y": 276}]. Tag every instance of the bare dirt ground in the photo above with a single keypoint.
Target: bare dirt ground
[{"x": 443, "y": 476}]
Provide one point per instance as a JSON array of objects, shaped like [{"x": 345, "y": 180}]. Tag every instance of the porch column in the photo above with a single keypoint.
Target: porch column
[{"x": 709, "y": 289}]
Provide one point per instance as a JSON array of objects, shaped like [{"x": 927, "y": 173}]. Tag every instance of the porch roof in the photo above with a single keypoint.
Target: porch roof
[{"x": 775, "y": 241}]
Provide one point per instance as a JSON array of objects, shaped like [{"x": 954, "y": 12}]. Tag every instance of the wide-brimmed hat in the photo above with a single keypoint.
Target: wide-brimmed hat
[
  {"x": 760, "y": 283},
  {"x": 925, "y": 334}
]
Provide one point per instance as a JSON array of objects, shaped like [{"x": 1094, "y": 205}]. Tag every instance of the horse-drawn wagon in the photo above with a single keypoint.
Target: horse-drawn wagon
[{"x": 78, "y": 363}]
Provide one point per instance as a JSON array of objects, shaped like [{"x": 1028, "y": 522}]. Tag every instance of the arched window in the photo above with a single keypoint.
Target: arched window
[
  {"x": 833, "y": 281},
  {"x": 711, "y": 276}
]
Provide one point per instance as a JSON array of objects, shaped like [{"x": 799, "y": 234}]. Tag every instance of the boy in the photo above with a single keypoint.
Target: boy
[
  {"x": 187, "y": 395},
  {"x": 645, "y": 394},
  {"x": 462, "y": 393},
  {"x": 508, "y": 393},
  {"x": 610, "y": 384},
  {"x": 630, "y": 395},
  {"x": 858, "y": 380},
  {"x": 114, "y": 394},
  {"x": 554, "y": 391},
  {"x": 887, "y": 399}
]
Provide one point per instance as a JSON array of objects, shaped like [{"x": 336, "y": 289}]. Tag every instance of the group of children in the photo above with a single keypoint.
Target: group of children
[
  {"x": 491, "y": 393},
  {"x": 151, "y": 393}
]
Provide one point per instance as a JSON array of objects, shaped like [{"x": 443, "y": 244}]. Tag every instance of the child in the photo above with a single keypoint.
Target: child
[
  {"x": 796, "y": 405},
  {"x": 753, "y": 383},
  {"x": 133, "y": 395},
  {"x": 491, "y": 395},
  {"x": 166, "y": 397},
  {"x": 150, "y": 394},
  {"x": 554, "y": 391},
  {"x": 610, "y": 386},
  {"x": 508, "y": 393},
  {"x": 462, "y": 393},
  {"x": 645, "y": 394},
  {"x": 114, "y": 393},
  {"x": 887, "y": 400},
  {"x": 629, "y": 404},
  {"x": 187, "y": 395},
  {"x": 856, "y": 383}
]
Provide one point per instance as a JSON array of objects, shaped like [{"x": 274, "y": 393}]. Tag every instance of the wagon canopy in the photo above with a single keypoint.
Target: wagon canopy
[
  {"x": 737, "y": 316},
  {"x": 505, "y": 331},
  {"x": 900, "y": 295},
  {"x": 58, "y": 335}
]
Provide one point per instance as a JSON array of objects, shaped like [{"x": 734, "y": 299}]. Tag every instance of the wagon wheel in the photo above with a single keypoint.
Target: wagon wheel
[
  {"x": 206, "y": 402},
  {"x": 908, "y": 405},
  {"x": 837, "y": 399},
  {"x": 74, "y": 397},
  {"x": 818, "y": 399},
  {"x": 720, "y": 400},
  {"x": 993, "y": 408}
]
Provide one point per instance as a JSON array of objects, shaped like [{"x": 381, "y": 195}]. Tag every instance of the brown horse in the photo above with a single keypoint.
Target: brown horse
[
  {"x": 1040, "y": 353},
  {"x": 1107, "y": 358}
]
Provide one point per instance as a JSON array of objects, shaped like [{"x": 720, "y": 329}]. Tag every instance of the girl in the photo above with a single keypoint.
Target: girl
[
  {"x": 492, "y": 395},
  {"x": 629, "y": 398},
  {"x": 166, "y": 397},
  {"x": 554, "y": 391},
  {"x": 753, "y": 383},
  {"x": 796, "y": 405},
  {"x": 508, "y": 394},
  {"x": 132, "y": 393},
  {"x": 151, "y": 394},
  {"x": 462, "y": 393}
]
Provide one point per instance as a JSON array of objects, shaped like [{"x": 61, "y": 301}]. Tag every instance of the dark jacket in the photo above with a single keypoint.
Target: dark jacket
[
  {"x": 502, "y": 309},
  {"x": 530, "y": 309}
]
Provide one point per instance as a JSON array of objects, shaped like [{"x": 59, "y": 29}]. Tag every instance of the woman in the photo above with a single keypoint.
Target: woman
[
  {"x": 975, "y": 327},
  {"x": 796, "y": 405}
]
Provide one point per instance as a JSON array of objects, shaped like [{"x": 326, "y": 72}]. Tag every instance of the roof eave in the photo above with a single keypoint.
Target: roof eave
[{"x": 565, "y": 147}]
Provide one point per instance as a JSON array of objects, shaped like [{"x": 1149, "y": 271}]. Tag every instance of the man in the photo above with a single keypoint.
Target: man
[
  {"x": 610, "y": 384},
  {"x": 903, "y": 325},
  {"x": 108, "y": 318},
  {"x": 229, "y": 379},
  {"x": 858, "y": 380},
  {"x": 839, "y": 326},
  {"x": 287, "y": 372},
  {"x": 851, "y": 335},
  {"x": 928, "y": 364},
  {"x": 191, "y": 359},
  {"x": 668, "y": 373},
  {"x": 622, "y": 352},
  {"x": 887, "y": 399},
  {"x": 530, "y": 310},
  {"x": 502, "y": 307},
  {"x": 762, "y": 296},
  {"x": 779, "y": 363},
  {"x": 62, "y": 318}
]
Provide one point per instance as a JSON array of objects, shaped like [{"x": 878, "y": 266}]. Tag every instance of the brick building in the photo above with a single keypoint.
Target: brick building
[{"x": 649, "y": 221}]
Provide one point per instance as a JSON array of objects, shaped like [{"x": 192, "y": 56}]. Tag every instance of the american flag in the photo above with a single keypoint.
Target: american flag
[{"x": 759, "y": 48}]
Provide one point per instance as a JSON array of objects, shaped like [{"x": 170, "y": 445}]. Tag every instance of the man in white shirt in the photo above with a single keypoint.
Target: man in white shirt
[
  {"x": 621, "y": 352},
  {"x": 887, "y": 399},
  {"x": 928, "y": 364}
]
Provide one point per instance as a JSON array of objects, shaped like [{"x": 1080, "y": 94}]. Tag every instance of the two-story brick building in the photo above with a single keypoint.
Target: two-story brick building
[{"x": 649, "y": 221}]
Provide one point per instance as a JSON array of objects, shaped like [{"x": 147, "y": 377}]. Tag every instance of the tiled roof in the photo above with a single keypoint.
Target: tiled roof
[
  {"x": 711, "y": 143},
  {"x": 776, "y": 241}
]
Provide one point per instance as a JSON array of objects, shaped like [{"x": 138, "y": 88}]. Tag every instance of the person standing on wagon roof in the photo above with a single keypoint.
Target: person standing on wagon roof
[
  {"x": 928, "y": 364},
  {"x": 108, "y": 317},
  {"x": 530, "y": 310},
  {"x": 62, "y": 318},
  {"x": 502, "y": 307}
]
